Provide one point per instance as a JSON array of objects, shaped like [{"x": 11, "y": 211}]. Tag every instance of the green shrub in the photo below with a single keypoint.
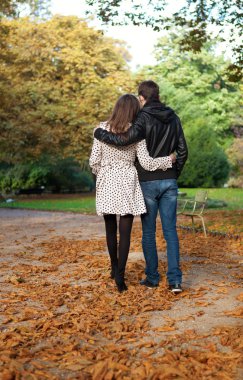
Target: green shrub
[
  {"x": 14, "y": 177},
  {"x": 56, "y": 176},
  {"x": 207, "y": 165},
  {"x": 67, "y": 175}
]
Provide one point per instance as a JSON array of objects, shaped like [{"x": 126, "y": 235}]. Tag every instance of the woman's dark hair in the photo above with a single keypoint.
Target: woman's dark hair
[
  {"x": 149, "y": 90},
  {"x": 124, "y": 112}
]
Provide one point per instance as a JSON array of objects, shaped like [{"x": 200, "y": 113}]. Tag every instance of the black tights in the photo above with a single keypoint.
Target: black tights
[{"x": 118, "y": 263}]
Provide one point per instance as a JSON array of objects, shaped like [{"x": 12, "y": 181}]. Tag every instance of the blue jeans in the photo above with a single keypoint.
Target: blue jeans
[{"x": 161, "y": 195}]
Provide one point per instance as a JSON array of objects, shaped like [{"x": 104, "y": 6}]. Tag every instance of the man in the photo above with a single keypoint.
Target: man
[{"x": 161, "y": 128}]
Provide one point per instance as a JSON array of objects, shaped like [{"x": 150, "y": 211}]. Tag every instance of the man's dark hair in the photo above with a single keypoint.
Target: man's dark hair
[{"x": 149, "y": 90}]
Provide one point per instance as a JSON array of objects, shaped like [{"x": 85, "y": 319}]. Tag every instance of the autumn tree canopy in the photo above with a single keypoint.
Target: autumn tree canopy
[{"x": 58, "y": 79}]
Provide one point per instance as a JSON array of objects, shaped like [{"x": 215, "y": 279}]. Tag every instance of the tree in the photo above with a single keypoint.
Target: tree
[
  {"x": 207, "y": 165},
  {"x": 235, "y": 154},
  {"x": 37, "y": 8},
  {"x": 59, "y": 78},
  {"x": 9, "y": 7},
  {"x": 194, "y": 18},
  {"x": 195, "y": 85}
]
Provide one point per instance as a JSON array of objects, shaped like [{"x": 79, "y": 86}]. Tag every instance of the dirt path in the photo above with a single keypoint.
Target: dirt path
[{"x": 55, "y": 287}]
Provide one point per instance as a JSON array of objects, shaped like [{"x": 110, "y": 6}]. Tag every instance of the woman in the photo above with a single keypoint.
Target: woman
[{"x": 117, "y": 187}]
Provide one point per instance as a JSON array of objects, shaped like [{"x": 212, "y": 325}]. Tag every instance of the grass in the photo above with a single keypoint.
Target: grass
[
  {"x": 233, "y": 197},
  {"x": 86, "y": 204},
  {"x": 78, "y": 204}
]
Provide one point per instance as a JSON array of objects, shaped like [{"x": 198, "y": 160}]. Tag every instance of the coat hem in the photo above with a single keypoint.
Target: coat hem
[{"x": 121, "y": 213}]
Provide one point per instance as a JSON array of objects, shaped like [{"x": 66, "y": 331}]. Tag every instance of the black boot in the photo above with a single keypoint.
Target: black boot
[
  {"x": 120, "y": 283},
  {"x": 121, "y": 287}
]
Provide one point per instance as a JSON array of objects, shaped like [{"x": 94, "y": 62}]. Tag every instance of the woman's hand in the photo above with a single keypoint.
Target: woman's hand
[{"x": 173, "y": 157}]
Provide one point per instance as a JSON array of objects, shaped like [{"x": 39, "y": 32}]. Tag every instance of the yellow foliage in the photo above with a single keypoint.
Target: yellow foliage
[{"x": 59, "y": 78}]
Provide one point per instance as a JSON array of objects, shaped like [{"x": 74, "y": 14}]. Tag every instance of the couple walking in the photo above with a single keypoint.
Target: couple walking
[{"x": 133, "y": 159}]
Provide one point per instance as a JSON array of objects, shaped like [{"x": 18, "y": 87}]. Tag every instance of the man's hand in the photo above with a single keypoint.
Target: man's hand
[
  {"x": 135, "y": 133},
  {"x": 173, "y": 157}
]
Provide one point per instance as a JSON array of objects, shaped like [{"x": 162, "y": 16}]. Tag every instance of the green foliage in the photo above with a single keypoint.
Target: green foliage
[
  {"x": 37, "y": 177},
  {"x": 23, "y": 176},
  {"x": 193, "y": 17},
  {"x": 235, "y": 154},
  {"x": 11, "y": 8},
  {"x": 66, "y": 175},
  {"x": 56, "y": 176},
  {"x": 196, "y": 86},
  {"x": 207, "y": 165},
  {"x": 13, "y": 178}
]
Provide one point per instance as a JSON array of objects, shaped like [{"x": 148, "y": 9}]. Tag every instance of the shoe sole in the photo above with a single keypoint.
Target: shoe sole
[
  {"x": 176, "y": 291},
  {"x": 149, "y": 287}
]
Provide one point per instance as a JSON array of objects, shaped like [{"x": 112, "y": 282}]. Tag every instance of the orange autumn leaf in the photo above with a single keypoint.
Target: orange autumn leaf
[
  {"x": 67, "y": 316},
  {"x": 238, "y": 312},
  {"x": 165, "y": 328},
  {"x": 240, "y": 297}
]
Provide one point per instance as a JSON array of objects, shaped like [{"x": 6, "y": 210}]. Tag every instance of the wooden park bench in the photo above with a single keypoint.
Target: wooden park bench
[{"x": 194, "y": 208}]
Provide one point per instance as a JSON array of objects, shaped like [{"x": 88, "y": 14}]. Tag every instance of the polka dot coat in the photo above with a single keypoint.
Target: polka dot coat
[{"x": 117, "y": 186}]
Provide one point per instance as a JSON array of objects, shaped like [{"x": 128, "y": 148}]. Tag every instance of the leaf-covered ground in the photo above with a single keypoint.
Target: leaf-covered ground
[{"x": 62, "y": 318}]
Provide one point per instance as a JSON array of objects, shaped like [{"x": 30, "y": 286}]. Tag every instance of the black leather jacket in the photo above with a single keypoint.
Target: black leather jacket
[{"x": 161, "y": 128}]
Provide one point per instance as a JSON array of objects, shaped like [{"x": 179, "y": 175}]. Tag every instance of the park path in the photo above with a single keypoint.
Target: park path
[{"x": 41, "y": 250}]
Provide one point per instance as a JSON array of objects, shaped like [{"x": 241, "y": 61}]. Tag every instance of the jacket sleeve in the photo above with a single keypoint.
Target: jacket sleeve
[
  {"x": 181, "y": 150},
  {"x": 135, "y": 133},
  {"x": 149, "y": 163},
  {"x": 95, "y": 157}
]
